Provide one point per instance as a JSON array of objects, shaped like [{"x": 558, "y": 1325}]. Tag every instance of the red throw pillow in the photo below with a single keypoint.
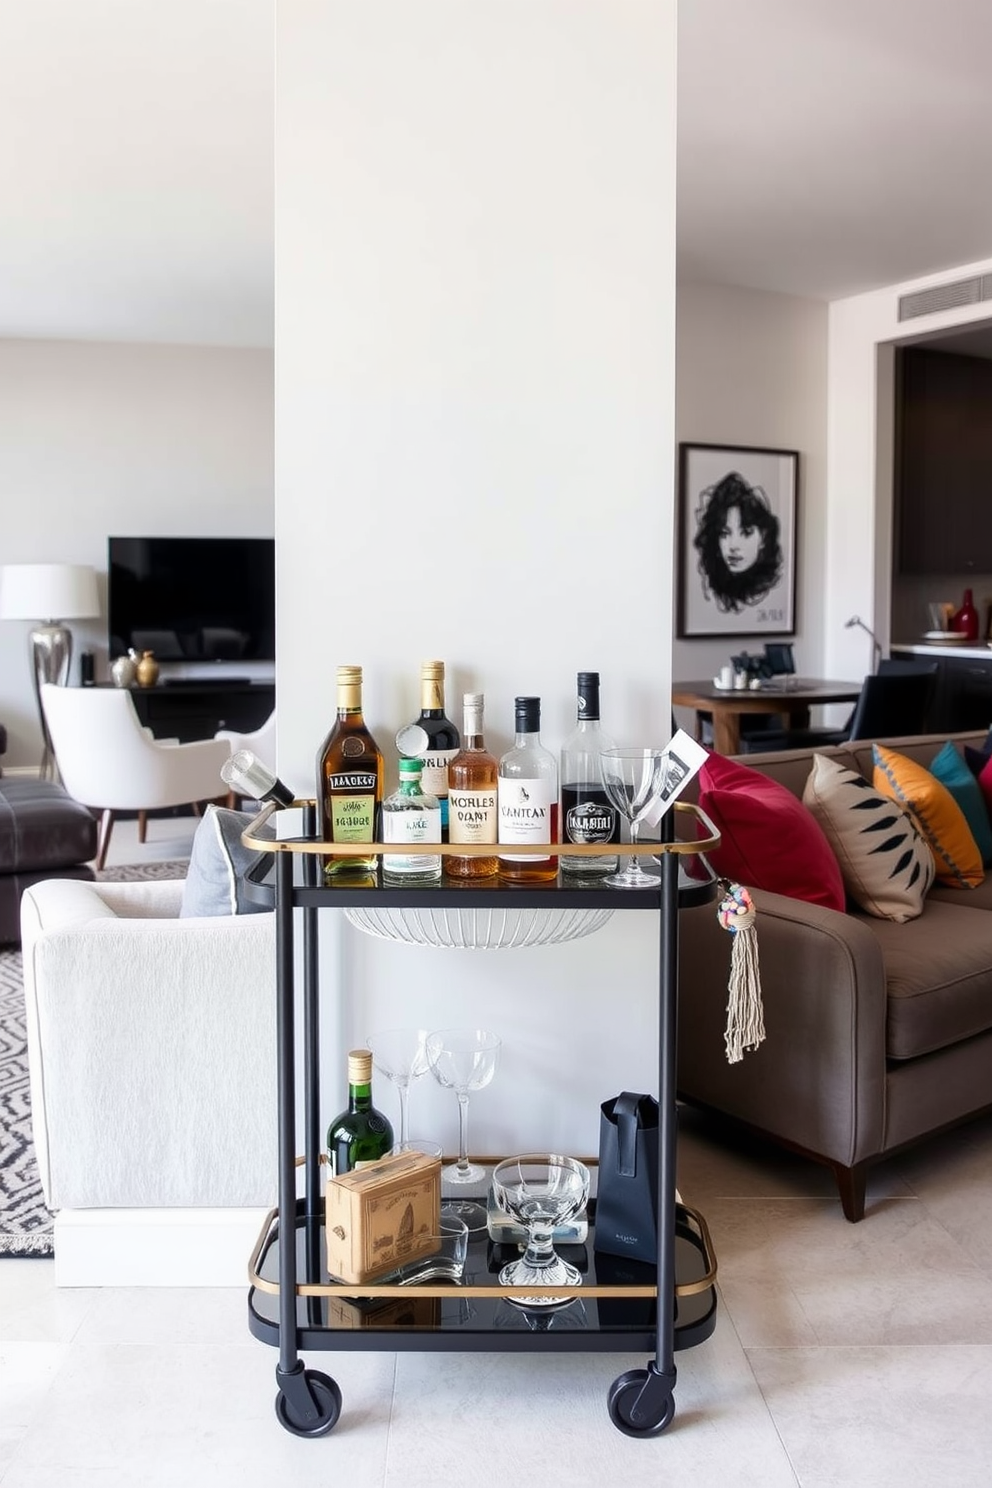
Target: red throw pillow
[{"x": 769, "y": 839}]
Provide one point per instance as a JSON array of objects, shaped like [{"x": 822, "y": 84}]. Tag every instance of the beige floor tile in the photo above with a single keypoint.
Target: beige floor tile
[
  {"x": 881, "y": 1417},
  {"x": 490, "y": 1408},
  {"x": 166, "y": 1315},
  {"x": 32, "y": 1310},
  {"x": 790, "y": 1266},
  {"x": 125, "y": 1415}
]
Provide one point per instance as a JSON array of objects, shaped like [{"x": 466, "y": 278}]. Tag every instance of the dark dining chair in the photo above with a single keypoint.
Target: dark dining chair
[{"x": 894, "y": 703}]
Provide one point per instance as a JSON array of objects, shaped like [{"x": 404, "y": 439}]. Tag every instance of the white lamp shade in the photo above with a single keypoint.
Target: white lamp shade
[{"x": 48, "y": 591}]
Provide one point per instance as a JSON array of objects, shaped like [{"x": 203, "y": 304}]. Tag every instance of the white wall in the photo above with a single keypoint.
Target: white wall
[
  {"x": 862, "y": 332},
  {"x": 474, "y": 413},
  {"x": 100, "y": 438},
  {"x": 752, "y": 370}
]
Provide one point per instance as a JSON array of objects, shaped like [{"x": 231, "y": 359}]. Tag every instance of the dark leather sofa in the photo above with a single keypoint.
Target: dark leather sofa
[{"x": 44, "y": 833}]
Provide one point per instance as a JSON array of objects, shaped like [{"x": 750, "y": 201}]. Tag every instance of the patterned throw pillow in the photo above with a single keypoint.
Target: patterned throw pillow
[
  {"x": 936, "y": 813},
  {"x": 886, "y": 865},
  {"x": 769, "y": 840},
  {"x": 951, "y": 770}
]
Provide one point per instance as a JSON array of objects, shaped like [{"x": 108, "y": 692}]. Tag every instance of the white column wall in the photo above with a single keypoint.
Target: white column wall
[
  {"x": 862, "y": 330},
  {"x": 474, "y": 457}
]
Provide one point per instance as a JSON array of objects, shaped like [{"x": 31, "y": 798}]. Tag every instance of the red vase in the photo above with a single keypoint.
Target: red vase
[{"x": 966, "y": 619}]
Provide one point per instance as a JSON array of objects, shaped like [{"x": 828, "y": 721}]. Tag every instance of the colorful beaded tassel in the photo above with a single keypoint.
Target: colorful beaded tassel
[{"x": 745, "y": 1016}]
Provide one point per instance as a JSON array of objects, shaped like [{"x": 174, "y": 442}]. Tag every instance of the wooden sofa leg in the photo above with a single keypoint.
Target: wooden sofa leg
[
  {"x": 142, "y": 825},
  {"x": 103, "y": 839},
  {"x": 851, "y": 1184}
]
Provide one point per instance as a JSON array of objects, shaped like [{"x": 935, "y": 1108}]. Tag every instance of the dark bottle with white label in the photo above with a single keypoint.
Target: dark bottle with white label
[
  {"x": 586, "y": 814},
  {"x": 432, "y": 737}
]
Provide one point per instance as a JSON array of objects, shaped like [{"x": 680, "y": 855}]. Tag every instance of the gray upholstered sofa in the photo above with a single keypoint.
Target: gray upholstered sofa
[{"x": 879, "y": 1034}]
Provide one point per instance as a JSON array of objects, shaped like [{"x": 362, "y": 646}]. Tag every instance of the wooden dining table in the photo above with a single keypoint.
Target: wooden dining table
[{"x": 790, "y": 699}]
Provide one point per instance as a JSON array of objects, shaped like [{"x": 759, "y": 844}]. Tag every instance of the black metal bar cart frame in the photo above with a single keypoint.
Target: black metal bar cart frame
[{"x": 621, "y": 1305}]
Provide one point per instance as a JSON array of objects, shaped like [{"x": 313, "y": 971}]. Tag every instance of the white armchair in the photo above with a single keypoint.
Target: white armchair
[
  {"x": 151, "y": 1050},
  {"x": 110, "y": 763}
]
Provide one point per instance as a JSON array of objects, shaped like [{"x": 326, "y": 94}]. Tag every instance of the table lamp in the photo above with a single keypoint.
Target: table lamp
[
  {"x": 49, "y": 594},
  {"x": 876, "y": 643}
]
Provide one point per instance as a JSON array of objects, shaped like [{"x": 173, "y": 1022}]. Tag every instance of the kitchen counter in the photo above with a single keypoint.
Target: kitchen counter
[{"x": 981, "y": 650}]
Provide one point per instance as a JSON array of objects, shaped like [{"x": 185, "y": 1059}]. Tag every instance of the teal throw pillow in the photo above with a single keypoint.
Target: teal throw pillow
[
  {"x": 217, "y": 865},
  {"x": 951, "y": 769}
]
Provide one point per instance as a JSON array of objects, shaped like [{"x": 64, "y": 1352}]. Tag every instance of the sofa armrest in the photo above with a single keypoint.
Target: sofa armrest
[
  {"x": 151, "y": 1046},
  {"x": 818, "y": 1080}
]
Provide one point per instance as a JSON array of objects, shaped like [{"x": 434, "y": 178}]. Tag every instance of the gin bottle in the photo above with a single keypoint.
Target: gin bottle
[
  {"x": 586, "y": 813},
  {"x": 410, "y": 815},
  {"x": 527, "y": 797}
]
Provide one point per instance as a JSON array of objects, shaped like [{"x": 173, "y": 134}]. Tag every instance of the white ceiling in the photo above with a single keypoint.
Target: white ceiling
[{"x": 825, "y": 147}]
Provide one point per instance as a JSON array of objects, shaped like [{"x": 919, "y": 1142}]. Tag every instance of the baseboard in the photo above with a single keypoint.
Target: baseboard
[
  {"x": 28, "y": 772},
  {"x": 155, "y": 1247}
]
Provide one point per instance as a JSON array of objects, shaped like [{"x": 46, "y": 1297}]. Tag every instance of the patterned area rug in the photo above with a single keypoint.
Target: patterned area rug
[{"x": 25, "y": 1222}]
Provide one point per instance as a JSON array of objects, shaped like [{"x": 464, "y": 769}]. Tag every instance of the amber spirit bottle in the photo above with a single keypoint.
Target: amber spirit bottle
[
  {"x": 432, "y": 737},
  {"x": 586, "y": 813},
  {"x": 527, "y": 799},
  {"x": 472, "y": 791},
  {"x": 349, "y": 779},
  {"x": 409, "y": 815},
  {"x": 361, "y": 1134}
]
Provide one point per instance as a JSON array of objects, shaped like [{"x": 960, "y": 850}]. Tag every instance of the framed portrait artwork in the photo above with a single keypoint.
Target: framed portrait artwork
[{"x": 736, "y": 541}]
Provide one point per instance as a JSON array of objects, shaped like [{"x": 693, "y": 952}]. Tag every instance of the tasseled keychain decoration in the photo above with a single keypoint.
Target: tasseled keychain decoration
[{"x": 745, "y": 1016}]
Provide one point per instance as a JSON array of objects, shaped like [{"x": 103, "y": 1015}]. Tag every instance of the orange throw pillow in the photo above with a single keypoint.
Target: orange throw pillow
[{"x": 936, "y": 813}]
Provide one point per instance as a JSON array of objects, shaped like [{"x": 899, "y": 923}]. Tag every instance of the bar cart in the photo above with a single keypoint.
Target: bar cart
[{"x": 621, "y": 1305}]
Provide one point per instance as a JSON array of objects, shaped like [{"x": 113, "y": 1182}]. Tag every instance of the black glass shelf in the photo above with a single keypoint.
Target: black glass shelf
[{"x": 461, "y": 1320}]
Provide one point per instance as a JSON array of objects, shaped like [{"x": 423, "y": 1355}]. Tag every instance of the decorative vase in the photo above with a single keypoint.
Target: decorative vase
[
  {"x": 124, "y": 671},
  {"x": 966, "y": 619},
  {"x": 147, "y": 669}
]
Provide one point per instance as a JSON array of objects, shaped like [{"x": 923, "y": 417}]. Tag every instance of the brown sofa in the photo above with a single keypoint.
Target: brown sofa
[{"x": 878, "y": 1034}]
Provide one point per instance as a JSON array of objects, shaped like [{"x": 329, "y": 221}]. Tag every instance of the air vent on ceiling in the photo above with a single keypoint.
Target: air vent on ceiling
[{"x": 945, "y": 297}]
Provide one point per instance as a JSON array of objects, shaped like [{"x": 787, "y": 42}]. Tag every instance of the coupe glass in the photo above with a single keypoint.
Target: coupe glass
[
  {"x": 633, "y": 780},
  {"x": 540, "y": 1191},
  {"x": 462, "y": 1060},
  {"x": 400, "y": 1055}
]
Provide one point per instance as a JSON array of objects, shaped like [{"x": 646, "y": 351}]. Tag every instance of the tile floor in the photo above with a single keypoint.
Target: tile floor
[{"x": 844, "y": 1355}]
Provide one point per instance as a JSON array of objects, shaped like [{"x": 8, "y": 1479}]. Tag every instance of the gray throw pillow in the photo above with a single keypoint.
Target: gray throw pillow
[{"x": 217, "y": 865}]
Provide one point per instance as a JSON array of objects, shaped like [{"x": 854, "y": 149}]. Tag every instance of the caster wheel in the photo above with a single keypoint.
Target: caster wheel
[
  {"x": 634, "y": 1415},
  {"x": 328, "y": 1399}
]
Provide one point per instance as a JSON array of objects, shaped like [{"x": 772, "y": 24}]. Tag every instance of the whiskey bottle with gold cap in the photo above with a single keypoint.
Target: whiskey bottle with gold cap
[
  {"x": 361, "y": 1134},
  {"x": 349, "y": 779}
]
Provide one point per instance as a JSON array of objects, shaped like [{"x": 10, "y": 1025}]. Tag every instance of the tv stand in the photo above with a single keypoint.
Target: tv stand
[{"x": 196, "y": 708}]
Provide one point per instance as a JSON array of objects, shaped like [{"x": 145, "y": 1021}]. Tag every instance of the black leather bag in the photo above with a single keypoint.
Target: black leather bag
[{"x": 627, "y": 1197}]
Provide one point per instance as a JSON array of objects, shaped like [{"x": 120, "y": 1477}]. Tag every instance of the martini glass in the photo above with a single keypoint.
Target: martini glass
[
  {"x": 399, "y": 1054},
  {"x": 463, "y": 1060},
  {"x": 634, "y": 779}
]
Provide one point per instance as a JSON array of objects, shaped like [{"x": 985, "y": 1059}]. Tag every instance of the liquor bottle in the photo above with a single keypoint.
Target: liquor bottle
[
  {"x": 361, "y": 1134},
  {"x": 349, "y": 779},
  {"x": 410, "y": 815},
  {"x": 527, "y": 798},
  {"x": 246, "y": 775},
  {"x": 472, "y": 780},
  {"x": 441, "y": 743},
  {"x": 586, "y": 813}
]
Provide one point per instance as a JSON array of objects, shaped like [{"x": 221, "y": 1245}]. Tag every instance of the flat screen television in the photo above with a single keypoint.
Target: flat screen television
[{"x": 205, "y": 599}]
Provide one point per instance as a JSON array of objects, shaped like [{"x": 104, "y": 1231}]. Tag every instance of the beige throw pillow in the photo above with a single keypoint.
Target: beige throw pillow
[{"x": 886, "y": 864}]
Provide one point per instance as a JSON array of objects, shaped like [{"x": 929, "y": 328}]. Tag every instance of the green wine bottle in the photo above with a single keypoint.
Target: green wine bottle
[{"x": 361, "y": 1134}]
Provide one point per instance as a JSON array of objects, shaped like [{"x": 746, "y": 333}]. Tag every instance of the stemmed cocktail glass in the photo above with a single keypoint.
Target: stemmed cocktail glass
[
  {"x": 400, "y": 1055},
  {"x": 463, "y": 1060},
  {"x": 634, "y": 779},
  {"x": 541, "y": 1190}
]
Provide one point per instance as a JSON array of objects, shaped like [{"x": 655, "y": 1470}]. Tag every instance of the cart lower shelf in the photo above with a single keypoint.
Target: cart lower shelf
[{"x": 604, "y": 1317}]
